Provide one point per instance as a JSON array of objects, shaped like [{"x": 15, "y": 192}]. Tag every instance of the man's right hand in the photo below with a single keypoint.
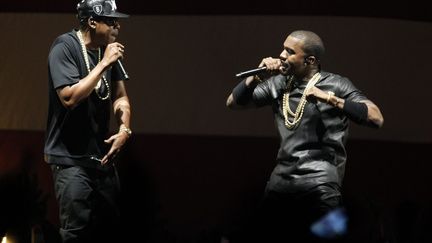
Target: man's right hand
[
  {"x": 273, "y": 65},
  {"x": 113, "y": 52}
]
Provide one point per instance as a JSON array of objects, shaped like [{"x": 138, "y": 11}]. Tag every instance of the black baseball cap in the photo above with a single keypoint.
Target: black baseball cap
[{"x": 99, "y": 8}]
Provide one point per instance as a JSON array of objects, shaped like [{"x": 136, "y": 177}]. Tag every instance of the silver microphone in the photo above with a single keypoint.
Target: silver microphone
[
  {"x": 283, "y": 69},
  {"x": 251, "y": 72},
  {"x": 126, "y": 76}
]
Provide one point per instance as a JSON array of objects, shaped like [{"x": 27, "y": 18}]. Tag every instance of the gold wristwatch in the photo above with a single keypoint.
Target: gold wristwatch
[{"x": 127, "y": 130}]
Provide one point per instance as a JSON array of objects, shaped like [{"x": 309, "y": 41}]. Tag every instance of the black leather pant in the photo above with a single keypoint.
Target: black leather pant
[{"x": 284, "y": 217}]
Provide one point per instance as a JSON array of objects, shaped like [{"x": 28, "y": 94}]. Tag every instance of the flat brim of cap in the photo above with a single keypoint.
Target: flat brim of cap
[{"x": 117, "y": 15}]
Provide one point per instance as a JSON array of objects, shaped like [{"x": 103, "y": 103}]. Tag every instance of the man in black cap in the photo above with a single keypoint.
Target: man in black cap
[{"x": 86, "y": 81}]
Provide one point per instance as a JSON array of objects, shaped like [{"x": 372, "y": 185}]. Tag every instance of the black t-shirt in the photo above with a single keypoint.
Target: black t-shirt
[
  {"x": 314, "y": 152},
  {"x": 74, "y": 136}
]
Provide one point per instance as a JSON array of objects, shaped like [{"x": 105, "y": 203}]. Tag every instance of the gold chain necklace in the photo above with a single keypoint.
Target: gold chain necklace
[
  {"x": 301, "y": 105},
  {"x": 86, "y": 59}
]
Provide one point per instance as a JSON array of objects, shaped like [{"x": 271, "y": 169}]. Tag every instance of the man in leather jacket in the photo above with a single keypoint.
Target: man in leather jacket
[{"x": 312, "y": 109}]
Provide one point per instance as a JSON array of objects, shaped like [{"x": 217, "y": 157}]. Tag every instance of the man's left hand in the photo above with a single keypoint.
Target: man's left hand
[{"x": 117, "y": 141}]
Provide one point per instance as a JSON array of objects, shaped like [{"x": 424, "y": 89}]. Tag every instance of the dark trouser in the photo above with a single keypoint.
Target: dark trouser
[
  {"x": 88, "y": 203},
  {"x": 288, "y": 217}
]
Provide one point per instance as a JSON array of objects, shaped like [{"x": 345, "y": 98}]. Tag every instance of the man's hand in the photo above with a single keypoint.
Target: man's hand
[
  {"x": 318, "y": 94},
  {"x": 273, "y": 65},
  {"x": 315, "y": 94},
  {"x": 117, "y": 141},
  {"x": 113, "y": 52}
]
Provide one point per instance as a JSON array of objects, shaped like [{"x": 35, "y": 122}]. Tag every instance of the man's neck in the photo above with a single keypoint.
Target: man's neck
[
  {"x": 89, "y": 40},
  {"x": 310, "y": 73}
]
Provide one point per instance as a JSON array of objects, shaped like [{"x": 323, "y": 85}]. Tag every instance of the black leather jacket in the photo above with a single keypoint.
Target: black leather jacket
[{"x": 314, "y": 152}]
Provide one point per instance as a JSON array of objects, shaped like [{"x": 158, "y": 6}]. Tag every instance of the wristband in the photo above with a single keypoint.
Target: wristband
[
  {"x": 356, "y": 111},
  {"x": 242, "y": 94}
]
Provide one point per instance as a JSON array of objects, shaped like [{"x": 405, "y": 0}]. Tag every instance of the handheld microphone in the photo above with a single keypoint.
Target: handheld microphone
[
  {"x": 251, "y": 72},
  {"x": 126, "y": 76}
]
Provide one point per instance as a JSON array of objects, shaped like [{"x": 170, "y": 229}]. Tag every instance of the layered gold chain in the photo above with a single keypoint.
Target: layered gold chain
[
  {"x": 297, "y": 115},
  {"x": 86, "y": 59}
]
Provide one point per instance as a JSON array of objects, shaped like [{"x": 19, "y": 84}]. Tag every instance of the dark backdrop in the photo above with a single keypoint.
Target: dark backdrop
[{"x": 409, "y": 10}]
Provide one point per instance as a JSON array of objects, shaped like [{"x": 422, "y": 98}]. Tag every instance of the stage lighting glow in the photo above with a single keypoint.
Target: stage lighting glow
[{"x": 332, "y": 225}]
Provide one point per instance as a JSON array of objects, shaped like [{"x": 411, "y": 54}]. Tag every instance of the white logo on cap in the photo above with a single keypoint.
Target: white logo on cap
[
  {"x": 97, "y": 9},
  {"x": 113, "y": 5}
]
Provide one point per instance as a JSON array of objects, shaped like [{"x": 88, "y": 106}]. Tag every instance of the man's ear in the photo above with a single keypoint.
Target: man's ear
[
  {"x": 310, "y": 60},
  {"x": 91, "y": 23}
]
